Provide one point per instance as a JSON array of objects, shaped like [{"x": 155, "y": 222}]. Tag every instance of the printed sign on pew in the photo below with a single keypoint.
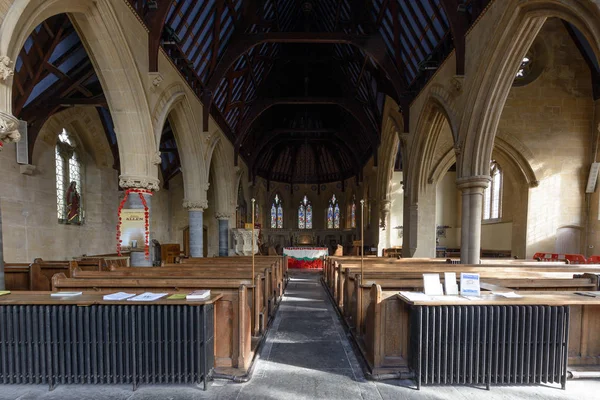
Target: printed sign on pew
[{"x": 469, "y": 284}]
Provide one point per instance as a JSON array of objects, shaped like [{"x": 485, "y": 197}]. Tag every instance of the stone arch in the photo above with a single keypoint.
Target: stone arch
[
  {"x": 429, "y": 126},
  {"x": 97, "y": 24},
  {"x": 174, "y": 105},
  {"x": 519, "y": 156},
  {"x": 447, "y": 102},
  {"x": 86, "y": 124},
  {"x": 491, "y": 82},
  {"x": 388, "y": 150},
  {"x": 221, "y": 164}
]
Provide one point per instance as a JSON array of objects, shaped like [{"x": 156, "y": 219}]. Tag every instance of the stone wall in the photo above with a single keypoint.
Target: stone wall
[
  {"x": 552, "y": 117},
  {"x": 29, "y": 217}
]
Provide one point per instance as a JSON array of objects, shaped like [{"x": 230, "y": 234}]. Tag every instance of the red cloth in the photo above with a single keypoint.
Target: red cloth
[{"x": 301, "y": 264}]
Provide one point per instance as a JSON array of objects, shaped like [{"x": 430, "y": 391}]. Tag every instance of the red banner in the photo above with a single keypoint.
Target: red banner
[{"x": 305, "y": 264}]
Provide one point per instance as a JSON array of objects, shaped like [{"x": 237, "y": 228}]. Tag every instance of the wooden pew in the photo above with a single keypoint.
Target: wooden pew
[
  {"x": 263, "y": 294},
  {"x": 233, "y": 311},
  {"x": 385, "y": 340},
  {"x": 16, "y": 276}
]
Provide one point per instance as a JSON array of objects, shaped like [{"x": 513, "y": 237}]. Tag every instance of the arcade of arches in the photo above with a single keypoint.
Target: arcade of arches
[{"x": 466, "y": 126}]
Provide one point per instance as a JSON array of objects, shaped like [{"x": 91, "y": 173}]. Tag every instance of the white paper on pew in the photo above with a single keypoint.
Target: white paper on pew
[
  {"x": 450, "y": 283},
  {"x": 509, "y": 295},
  {"x": 148, "y": 296},
  {"x": 118, "y": 296},
  {"x": 432, "y": 285},
  {"x": 416, "y": 296}
]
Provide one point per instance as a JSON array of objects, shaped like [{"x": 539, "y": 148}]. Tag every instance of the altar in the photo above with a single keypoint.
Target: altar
[{"x": 305, "y": 257}]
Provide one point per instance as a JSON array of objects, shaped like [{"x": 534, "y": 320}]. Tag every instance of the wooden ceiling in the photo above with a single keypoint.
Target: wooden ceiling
[
  {"x": 298, "y": 85},
  {"x": 298, "y": 79}
]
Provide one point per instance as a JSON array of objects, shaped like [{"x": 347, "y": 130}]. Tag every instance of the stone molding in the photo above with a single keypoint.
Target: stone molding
[
  {"x": 139, "y": 182},
  {"x": 5, "y": 70},
  {"x": 223, "y": 215},
  {"x": 193, "y": 205},
  {"x": 9, "y": 125},
  {"x": 473, "y": 182}
]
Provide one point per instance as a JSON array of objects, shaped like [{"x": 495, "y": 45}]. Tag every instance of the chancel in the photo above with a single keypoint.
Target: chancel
[{"x": 375, "y": 199}]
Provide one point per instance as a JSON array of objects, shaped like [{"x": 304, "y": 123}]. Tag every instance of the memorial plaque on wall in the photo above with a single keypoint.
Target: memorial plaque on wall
[{"x": 132, "y": 227}]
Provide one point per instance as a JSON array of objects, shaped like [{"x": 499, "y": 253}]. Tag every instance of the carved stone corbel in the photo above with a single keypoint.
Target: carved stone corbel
[
  {"x": 8, "y": 129},
  {"x": 5, "y": 68}
]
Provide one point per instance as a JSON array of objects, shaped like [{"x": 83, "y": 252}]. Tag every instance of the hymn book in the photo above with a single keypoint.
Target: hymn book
[
  {"x": 148, "y": 296},
  {"x": 198, "y": 295}
]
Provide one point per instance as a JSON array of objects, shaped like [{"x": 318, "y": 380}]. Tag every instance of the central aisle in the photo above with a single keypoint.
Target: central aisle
[{"x": 307, "y": 354}]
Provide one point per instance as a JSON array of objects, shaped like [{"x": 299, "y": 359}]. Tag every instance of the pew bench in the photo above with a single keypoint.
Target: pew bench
[
  {"x": 233, "y": 339},
  {"x": 87, "y": 340}
]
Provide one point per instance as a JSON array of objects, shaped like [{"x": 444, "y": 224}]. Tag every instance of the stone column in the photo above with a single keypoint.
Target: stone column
[
  {"x": 472, "y": 189},
  {"x": 223, "y": 219},
  {"x": 196, "y": 216},
  {"x": 138, "y": 258}
]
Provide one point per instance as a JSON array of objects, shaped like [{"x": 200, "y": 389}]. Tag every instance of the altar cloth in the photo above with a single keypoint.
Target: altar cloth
[{"x": 305, "y": 257}]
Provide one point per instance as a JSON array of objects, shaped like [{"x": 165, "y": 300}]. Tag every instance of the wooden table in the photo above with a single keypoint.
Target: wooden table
[
  {"x": 87, "y": 340},
  {"x": 494, "y": 340}
]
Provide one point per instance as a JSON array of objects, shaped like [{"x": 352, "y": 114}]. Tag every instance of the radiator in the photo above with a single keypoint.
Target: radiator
[
  {"x": 116, "y": 344},
  {"x": 489, "y": 345}
]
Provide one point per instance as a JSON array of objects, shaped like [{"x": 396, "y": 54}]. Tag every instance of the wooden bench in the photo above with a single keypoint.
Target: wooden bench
[
  {"x": 264, "y": 295},
  {"x": 232, "y": 312}
]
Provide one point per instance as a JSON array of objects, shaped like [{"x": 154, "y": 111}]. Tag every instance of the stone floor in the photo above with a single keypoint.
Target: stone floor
[{"x": 307, "y": 355}]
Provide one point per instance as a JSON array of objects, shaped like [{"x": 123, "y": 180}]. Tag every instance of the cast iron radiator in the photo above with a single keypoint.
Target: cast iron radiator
[
  {"x": 489, "y": 345},
  {"x": 106, "y": 344}
]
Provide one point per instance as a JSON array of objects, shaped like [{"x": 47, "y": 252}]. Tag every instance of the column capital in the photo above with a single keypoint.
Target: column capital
[
  {"x": 473, "y": 182},
  {"x": 195, "y": 205},
  {"x": 9, "y": 126},
  {"x": 223, "y": 215},
  {"x": 139, "y": 182}
]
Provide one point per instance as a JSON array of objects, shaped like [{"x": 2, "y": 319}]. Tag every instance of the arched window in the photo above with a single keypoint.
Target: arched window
[
  {"x": 353, "y": 214},
  {"x": 305, "y": 214},
  {"x": 492, "y": 196},
  {"x": 276, "y": 214},
  {"x": 68, "y": 180},
  {"x": 333, "y": 214}
]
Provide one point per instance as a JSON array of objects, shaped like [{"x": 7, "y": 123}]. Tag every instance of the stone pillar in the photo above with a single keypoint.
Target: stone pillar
[
  {"x": 138, "y": 258},
  {"x": 223, "y": 234},
  {"x": 196, "y": 216},
  {"x": 472, "y": 189}
]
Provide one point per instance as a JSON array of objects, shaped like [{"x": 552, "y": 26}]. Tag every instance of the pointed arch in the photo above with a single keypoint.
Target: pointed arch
[
  {"x": 103, "y": 37},
  {"x": 491, "y": 82},
  {"x": 173, "y": 104},
  {"x": 433, "y": 117}
]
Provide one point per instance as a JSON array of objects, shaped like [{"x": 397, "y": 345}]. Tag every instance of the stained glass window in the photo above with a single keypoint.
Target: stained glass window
[
  {"x": 273, "y": 216},
  {"x": 276, "y": 214},
  {"x": 305, "y": 214},
  {"x": 492, "y": 195},
  {"x": 333, "y": 214},
  {"x": 353, "y": 214},
  {"x": 69, "y": 204}
]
